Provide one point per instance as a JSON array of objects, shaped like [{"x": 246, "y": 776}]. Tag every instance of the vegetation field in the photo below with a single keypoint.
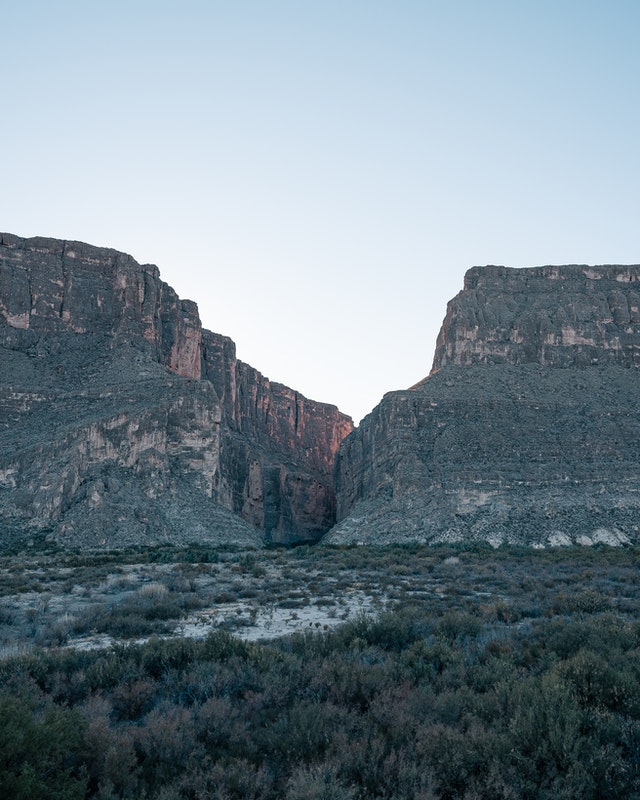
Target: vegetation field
[{"x": 413, "y": 673}]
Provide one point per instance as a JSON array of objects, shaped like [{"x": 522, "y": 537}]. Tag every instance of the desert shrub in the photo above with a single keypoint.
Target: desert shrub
[
  {"x": 293, "y": 602},
  {"x": 7, "y": 614},
  {"x": 160, "y": 655},
  {"x": 317, "y": 783},
  {"x": 110, "y": 668},
  {"x": 109, "y": 754},
  {"x": 458, "y": 627},
  {"x": 424, "y": 660},
  {"x": 129, "y": 701},
  {"x": 602, "y": 681},
  {"x": 459, "y": 694},
  {"x": 221, "y": 645},
  {"x": 226, "y": 779},
  {"x": 165, "y": 744},
  {"x": 39, "y": 747},
  {"x": 225, "y": 597},
  {"x": 221, "y": 727}
]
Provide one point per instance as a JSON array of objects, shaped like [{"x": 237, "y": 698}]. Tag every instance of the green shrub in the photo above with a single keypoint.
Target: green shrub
[{"x": 40, "y": 748}]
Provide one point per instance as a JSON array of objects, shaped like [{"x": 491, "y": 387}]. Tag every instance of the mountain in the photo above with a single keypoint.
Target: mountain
[
  {"x": 526, "y": 430},
  {"x": 124, "y": 422}
]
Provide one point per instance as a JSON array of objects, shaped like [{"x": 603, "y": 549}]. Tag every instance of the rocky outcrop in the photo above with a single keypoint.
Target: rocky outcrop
[
  {"x": 572, "y": 316},
  {"x": 49, "y": 286},
  {"x": 122, "y": 421},
  {"x": 526, "y": 430}
]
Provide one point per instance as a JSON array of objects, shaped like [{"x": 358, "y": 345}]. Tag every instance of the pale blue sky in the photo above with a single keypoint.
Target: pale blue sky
[{"x": 319, "y": 175}]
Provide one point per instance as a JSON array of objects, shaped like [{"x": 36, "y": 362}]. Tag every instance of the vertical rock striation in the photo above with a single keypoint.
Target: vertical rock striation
[
  {"x": 526, "y": 430},
  {"x": 122, "y": 421}
]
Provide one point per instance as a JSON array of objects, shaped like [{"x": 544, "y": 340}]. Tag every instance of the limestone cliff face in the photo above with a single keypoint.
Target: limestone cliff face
[
  {"x": 572, "y": 316},
  {"x": 527, "y": 429},
  {"x": 53, "y": 286},
  {"x": 123, "y": 422}
]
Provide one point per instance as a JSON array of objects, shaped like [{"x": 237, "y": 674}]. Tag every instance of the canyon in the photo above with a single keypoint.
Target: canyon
[{"x": 123, "y": 422}]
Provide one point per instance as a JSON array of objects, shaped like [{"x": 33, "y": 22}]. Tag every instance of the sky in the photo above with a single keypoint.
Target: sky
[{"x": 318, "y": 176}]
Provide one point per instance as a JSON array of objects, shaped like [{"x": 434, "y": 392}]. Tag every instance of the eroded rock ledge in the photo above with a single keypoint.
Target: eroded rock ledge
[{"x": 571, "y": 316}]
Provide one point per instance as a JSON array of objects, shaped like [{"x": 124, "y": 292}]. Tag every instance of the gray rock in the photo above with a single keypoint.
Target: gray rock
[
  {"x": 571, "y": 316},
  {"x": 526, "y": 430},
  {"x": 277, "y": 448},
  {"x": 122, "y": 422}
]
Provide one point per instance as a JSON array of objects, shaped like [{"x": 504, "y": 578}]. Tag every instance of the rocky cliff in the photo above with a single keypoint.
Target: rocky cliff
[
  {"x": 527, "y": 429},
  {"x": 571, "y": 316},
  {"x": 122, "y": 421},
  {"x": 277, "y": 448}
]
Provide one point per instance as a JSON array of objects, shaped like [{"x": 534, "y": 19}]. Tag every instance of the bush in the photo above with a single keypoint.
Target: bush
[
  {"x": 456, "y": 695},
  {"x": 40, "y": 748}
]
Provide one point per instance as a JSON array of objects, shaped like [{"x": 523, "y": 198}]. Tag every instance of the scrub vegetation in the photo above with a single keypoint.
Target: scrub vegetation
[{"x": 471, "y": 673}]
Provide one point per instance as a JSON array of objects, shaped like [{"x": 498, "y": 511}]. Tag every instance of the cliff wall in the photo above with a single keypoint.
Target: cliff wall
[
  {"x": 49, "y": 286},
  {"x": 122, "y": 421},
  {"x": 571, "y": 316},
  {"x": 277, "y": 447},
  {"x": 526, "y": 430}
]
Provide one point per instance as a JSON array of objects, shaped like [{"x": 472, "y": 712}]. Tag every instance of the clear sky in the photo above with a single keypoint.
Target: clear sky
[{"x": 318, "y": 175}]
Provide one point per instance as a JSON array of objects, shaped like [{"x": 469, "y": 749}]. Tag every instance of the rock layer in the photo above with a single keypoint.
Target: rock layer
[
  {"x": 526, "y": 430},
  {"x": 122, "y": 421}
]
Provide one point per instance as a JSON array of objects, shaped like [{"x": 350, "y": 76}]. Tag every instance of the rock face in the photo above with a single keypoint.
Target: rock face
[
  {"x": 123, "y": 422},
  {"x": 527, "y": 429},
  {"x": 572, "y": 316},
  {"x": 277, "y": 448}
]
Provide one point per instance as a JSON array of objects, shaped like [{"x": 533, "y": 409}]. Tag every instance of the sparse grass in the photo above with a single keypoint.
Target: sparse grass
[{"x": 52, "y": 598}]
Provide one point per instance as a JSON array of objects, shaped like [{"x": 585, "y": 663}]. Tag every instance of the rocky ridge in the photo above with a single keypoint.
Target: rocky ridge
[
  {"x": 122, "y": 421},
  {"x": 526, "y": 430}
]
